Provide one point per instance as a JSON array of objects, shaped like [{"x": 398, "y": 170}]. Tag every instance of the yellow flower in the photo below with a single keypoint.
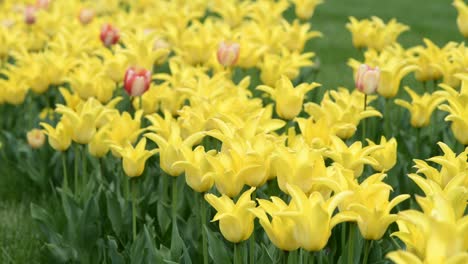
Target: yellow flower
[
  {"x": 430, "y": 59},
  {"x": 315, "y": 133},
  {"x": 298, "y": 168},
  {"x": 35, "y": 138},
  {"x": 236, "y": 221},
  {"x": 123, "y": 129},
  {"x": 273, "y": 66},
  {"x": 313, "y": 217},
  {"x": 435, "y": 236},
  {"x": 360, "y": 31},
  {"x": 289, "y": 99},
  {"x": 372, "y": 212},
  {"x": 457, "y": 108},
  {"x": 298, "y": 34},
  {"x": 386, "y": 157},
  {"x": 374, "y": 33},
  {"x": 305, "y": 8},
  {"x": 462, "y": 19},
  {"x": 134, "y": 159},
  {"x": 82, "y": 121},
  {"x": 421, "y": 107},
  {"x": 280, "y": 230},
  {"x": 343, "y": 113},
  {"x": 139, "y": 49},
  {"x": 199, "y": 173},
  {"x": 353, "y": 157},
  {"x": 170, "y": 148},
  {"x": 60, "y": 136},
  {"x": 99, "y": 145}
]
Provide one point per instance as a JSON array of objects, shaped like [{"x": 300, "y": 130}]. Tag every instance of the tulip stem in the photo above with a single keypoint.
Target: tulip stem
[
  {"x": 237, "y": 254},
  {"x": 366, "y": 251},
  {"x": 64, "y": 167},
  {"x": 77, "y": 154},
  {"x": 174, "y": 200},
  {"x": 84, "y": 167},
  {"x": 134, "y": 201},
  {"x": 351, "y": 244},
  {"x": 203, "y": 221},
  {"x": 364, "y": 121}
]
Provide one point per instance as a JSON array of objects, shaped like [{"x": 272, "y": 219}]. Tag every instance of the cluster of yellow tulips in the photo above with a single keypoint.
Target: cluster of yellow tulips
[{"x": 214, "y": 86}]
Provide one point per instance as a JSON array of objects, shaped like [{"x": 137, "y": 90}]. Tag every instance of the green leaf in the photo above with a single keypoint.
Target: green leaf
[
  {"x": 114, "y": 212},
  {"x": 115, "y": 256},
  {"x": 216, "y": 248},
  {"x": 177, "y": 243}
]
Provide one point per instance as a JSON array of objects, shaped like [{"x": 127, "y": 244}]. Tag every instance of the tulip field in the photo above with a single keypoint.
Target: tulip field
[{"x": 233, "y": 131}]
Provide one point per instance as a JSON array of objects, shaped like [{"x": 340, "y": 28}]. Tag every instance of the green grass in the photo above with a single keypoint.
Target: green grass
[{"x": 19, "y": 237}]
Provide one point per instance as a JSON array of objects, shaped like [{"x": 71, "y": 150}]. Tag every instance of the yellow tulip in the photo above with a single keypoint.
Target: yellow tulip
[
  {"x": 298, "y": 168},
  {"x": 315, "y": 133},
  {"x": 82, "y": 121},
  {"x": 280, "y": 230},
  {"x": 313, "y": 217},
  {"x": 372, "y": 213},
  {"x": 236, "y": 221},
  {"x": 134, "y": 158},
  {"x": 199, "y": 173},
  {"x": 457, "y": 108},
  {"x": 462, "y": 19},
  {"x": 430, "y": 59},
  {"x": 435, "y": 236},
  {"x": 421, "y": 107},
  {"x": 386, "y": 157},
  {"x": 353, "y": 157},
  {"x": 59, "y": 137},
  {"x": 99, "y": 145},
  {"x": 273, "y": 66},
  {"x": 123, "y": 129},
  {"x": 342, "y": 110},
  {"x": 170, "y": 149},
  {"x": 305, "y": 8},
  {"x": 289, "y": 99},
  {"x": 451, "y": 166},
  {"x": 360, "y": 31}
]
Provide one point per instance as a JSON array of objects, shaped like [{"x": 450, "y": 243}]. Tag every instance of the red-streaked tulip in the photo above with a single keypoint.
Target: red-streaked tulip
[
  {"x": 109, "y": 35},
  {"x": 36, "y": 138},
  {"x": 228, "y": 53},
  {"x": 137, "y": 81},
  {"x": 30, "y": 15},
  {"x": 367, "y": 79}
]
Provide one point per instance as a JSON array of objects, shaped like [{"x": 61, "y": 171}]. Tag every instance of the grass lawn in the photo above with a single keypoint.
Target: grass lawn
[{"x": 434, "y": 19}]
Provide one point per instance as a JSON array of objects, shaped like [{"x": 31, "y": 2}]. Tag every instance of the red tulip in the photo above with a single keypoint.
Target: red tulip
[
  {"x": 109, "y": 35},
  {"x": 137, "y": 81}
]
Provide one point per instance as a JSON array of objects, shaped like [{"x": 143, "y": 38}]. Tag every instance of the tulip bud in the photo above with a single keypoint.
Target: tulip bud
[
  {"x": 367, "y": 79},
  {"x": 228, "y": 53},
  {"x": 86, "y": 16},
  {"x": 44, "y": 4},
  {"x": 35, "y": 138},
  {"x": 109, "y": 35},
  {"x": 137, "y": 81},
  {"x": 30, "y": 15}
]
